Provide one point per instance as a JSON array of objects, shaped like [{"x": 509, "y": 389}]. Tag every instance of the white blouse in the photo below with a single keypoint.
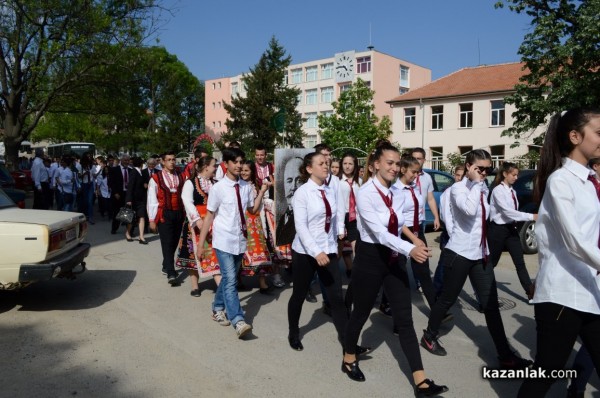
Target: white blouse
[
  {"x": 409, "y": 204},
  {"x": 344, "y": 201},
  {"x": 567, "y": 231},
  {"x": 502, "y": 206}
]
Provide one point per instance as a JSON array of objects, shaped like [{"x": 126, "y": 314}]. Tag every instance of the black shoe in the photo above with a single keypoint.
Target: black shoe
[
  {"x": 310, "y": 297},
  {"x": 349, "y": 273},
  {"x": 195, "y": 293},
  {"x": 327, "y": 309},
  {"x": 385, "y": 310},
  {"x": 266, "y": 290},
  {"x": 430, "y": 391},
  {"x": 395, "y": 331},
  {"x": 163, "y": 271},
  {"x": 243, "y": 288},
  {"x": 360, "y": 350},
  {"x": 353, "y": 371},
  {"x": 430, "y": 343},
  {"x": 172, "y": 279},
  {"x": 514, "y": 362},
  {"x": 143, "y": 242},
  {"x": 447, "y": 318},
  {"x": 295, "y": 343}
]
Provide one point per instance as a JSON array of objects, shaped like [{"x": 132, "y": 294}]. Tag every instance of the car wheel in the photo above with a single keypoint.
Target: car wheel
[{"x": 528, "y": 238}]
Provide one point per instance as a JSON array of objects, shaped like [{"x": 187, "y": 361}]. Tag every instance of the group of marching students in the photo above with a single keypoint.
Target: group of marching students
[{"x": 225, "y": 228}]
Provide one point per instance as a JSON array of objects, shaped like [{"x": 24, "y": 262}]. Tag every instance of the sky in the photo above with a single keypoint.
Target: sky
[{"x": 220, "y": 38}]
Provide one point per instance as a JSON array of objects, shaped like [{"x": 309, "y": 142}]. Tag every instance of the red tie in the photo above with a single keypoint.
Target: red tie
[
  {"x": 418, "y": 183},
  {"x": 597, "y": 186},
  {"x": 327, "y": 211},
  {"x": 416, "y": 212},
  {"x": 352, "y": 206},
  {"x": 483, "y": 243},
  {"x": 514, "y": 199},
  {"x": 241, "y": 209},
  {"x": 393, "y": 222}
]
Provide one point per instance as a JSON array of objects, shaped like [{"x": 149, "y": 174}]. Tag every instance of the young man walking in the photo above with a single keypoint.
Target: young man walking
[{"x": 227, "y": 203}]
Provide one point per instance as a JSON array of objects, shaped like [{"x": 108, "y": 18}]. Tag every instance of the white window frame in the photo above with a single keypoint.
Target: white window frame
[
  {"x": 363, "y": 63},
  {"x": 410, "y": 120},
  {"x": 311, "y": 120},
  {"x": 297, "y": 76},
  {"x": 468, "y": 114},
  {"x": 234, "y": 89},
  {"x": 327, "y": 95},
  {"x": 327, "y": 71},
  {"x": 404, "y": 82},
  {"x": 498, "y": 113},
  {"x": 312, "y": 73},
  {"x": 437, "y": 118},
  {"x": 311, "y": 97}
]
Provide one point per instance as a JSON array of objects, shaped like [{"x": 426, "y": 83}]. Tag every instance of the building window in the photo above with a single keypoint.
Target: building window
[
  {"x": 409, "y": 119},
  {"x": 404, "y": 76},
  {"x": 327, "y": 71},
  {"x": 311, "y": 120},
  {"x": 497, "y": 152},
  {"x": 311, "y": 73},
  {"x": 437, "y": 117},
  {"x": 497, "y": 113},
  {"x": 363, "y": 64},
  {"x": 300, "y": 98},
  {"x": 327, "y": 113},
  {"x": 219, "y": 103},
  {"x": 214, "y": 124},
  {"x": 214, "y": 86},
  {"x": 214, "y": 105},
  {"x": 327, "y": 95},
  {"x": 296, "y": 76},
  {"x": 311, "y": 141},
  {"x": 437, "y": 157},
  {"x": 311, "y": 97},
  {"x": 234, "y": 89},
  {"x": 464, "y": 150},
  {"x": 219, "y": 85},
  {"x": 403, "y": 90},
  {"x": 285, "y": 78},
  {"x": 345, "y": 87},
  {"x": 219, "y": 124},
  {"x": 466, "y": 115}
]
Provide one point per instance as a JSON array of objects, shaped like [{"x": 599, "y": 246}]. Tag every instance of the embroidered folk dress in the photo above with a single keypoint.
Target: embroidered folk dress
[
  {"x": 257, "y": 260},
  {"x": 188, "y": 242}
]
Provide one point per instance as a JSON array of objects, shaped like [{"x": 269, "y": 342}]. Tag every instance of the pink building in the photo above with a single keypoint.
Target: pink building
[{"x": 321, "y": 82}]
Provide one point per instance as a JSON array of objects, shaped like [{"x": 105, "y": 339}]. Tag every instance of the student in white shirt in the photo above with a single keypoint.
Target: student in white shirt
[
  {"x": 314, "y": 249},
  {"x": 347, "y": 214},
  {"x": 503, "y": 231},
  {"x": 465, "y": 256},
  {"x": 227, "y": 203},
  {"x": 381, "y": 261},
  {"x": 567, "y": 290}
]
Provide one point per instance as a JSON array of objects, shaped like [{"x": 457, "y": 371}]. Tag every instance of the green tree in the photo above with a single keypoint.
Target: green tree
[
  {"x": 353, "y": 122},
  {"x": 562, "y": 57},
  {"x": 267, "y": 114},
  {"x": 51, "y": 49}
]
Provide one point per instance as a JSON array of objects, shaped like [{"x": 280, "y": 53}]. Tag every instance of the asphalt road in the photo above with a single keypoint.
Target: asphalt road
[{"x": 120, "y": 330}]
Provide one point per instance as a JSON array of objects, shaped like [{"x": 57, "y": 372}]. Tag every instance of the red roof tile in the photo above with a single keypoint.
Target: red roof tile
[{"x": 469, "y": 81}]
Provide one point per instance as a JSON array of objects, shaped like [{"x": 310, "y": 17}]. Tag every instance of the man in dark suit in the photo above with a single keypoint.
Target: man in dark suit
[
  {"x": 118, "y": 179},
  {"x": 285, "y": 230},
  {"x": 149, "y": 171},
  {"x": 136, "y": 196}
]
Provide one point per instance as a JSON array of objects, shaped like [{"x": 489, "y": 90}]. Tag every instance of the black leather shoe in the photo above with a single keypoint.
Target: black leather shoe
[
  {"x": 310, "y": 297},
  {"x": 353, "y": 371},
  {"x": 242, "y": 288},
  {"x": 295, "y": 343},
  {"x": 360, "y": 350},
  {"x": 195, "y": 293},
  {"x": 143, "y": 242},
  {"x": 430, "y": 391},
  {"x": 327, "y": 309}
]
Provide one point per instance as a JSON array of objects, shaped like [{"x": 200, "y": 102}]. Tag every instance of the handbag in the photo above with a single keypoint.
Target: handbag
[{"x": 125, "y": 215}]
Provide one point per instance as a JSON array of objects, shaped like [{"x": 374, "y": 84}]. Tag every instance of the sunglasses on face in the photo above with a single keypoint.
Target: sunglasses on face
[{"x": 482, "y": 169}]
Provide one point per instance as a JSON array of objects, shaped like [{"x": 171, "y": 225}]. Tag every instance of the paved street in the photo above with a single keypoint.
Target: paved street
[{"x": 119, "y": 330}]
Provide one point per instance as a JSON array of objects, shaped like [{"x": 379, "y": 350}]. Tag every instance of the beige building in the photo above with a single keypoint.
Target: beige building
[
  {"x": 461, "y": 112},
  {"x": 321, "y": 82}
]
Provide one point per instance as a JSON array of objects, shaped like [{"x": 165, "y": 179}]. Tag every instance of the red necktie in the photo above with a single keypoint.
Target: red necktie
[
  {"x": 393, "y": 222},
  {"x": 597, "y": 186},
  {"x": 416, "y": 211},
  {"x": 352, "y": 206},
  {"x": 418, "y": 183},
  {"x": 514, "y": 199},
  {"x": 327, "y": 211},
  {"x": 241, "y": 210},
  {"x": 483, "y": 243}
]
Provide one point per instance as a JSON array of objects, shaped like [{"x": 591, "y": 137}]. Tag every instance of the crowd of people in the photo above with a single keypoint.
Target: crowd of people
[{"x": 217, "y": 220}]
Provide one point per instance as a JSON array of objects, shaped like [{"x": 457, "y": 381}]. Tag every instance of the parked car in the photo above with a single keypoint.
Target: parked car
[
  {"x": 524, "y": 190},
  {"x": 39, "y": 245},
  {"x": 7, "y": 183},
  {"x": 441, "y": 181},
  {"x": 22, "y": 179}
]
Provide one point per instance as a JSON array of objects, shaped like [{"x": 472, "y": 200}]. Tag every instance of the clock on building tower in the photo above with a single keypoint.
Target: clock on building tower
[{"x": 344, "y": 66}]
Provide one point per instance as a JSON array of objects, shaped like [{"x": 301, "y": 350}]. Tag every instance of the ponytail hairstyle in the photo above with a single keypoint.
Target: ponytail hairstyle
[
  {"x": 505, "y": 168},
  {"x": 307, "y": 161},
  {"x": 201, "y": 164},
  {"x": 355, "y": 162},
  {"x": 475, "y": 155},
  {"x": 558, "y": 145},
  {"x": 407, "y": 161},
  {"x": 251, "y": 165}
]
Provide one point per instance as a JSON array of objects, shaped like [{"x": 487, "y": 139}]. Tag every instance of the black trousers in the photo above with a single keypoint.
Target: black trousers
[
  {"x": 422, "y": 273},
  {"x": 557, "y": 329},
  {"x": 304, "y": 268},
  {"x": 41, "y": 199},
  {"x": 456, "y": 270},
  {"x": 115, "y": 206},
  {"x": 169, "y": 231},
  {"x": 506, "y": 236},
  {"x": 371, "y": 270}
]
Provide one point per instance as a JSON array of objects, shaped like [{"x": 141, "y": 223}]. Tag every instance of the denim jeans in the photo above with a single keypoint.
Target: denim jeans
[{"x": 227, "y": 297}]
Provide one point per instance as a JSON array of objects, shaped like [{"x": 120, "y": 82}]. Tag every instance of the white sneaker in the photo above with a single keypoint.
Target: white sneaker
[
  {"x": 242, "y": 329},
  {"x": 220, "y": 318}
]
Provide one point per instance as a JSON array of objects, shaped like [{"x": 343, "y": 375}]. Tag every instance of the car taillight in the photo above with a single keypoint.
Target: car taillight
[
  {"x": 83, "y": 228},
  {"x": 57, "y": 240}
]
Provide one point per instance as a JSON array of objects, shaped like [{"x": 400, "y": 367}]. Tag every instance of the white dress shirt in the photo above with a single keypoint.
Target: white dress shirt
[
  {"x": 187, "y": 197},
  {"x": 66, "y": 180},
  {"x": 424, "y": 184},
  {"x": 465, "y": 205},
  {"x": 409, "y": 204},
  {"x": 567, "y": 232},
  {"x": 375, "y": 216},
  {"x": 39, "y": 172},
  {"x": 445, "y": 213},
  {"x": 52, "y": 174},
  {"x": 309, "y": 220},
  {"x": 502, "y": 206},
  {"x": 152, "y": 195},
  {"x": 344, "y": 201},
  {"x": 220, "y": 173},
  {"x": 102, "y": 184},
  {"x": 227, "y": 232}
]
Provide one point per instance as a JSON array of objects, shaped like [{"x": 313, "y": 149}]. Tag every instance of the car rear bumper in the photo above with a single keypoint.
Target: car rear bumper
[{"x": 59, "y": 266}]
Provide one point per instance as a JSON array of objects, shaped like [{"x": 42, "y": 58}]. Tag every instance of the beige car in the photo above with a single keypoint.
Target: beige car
[{"x": 38, "y": 245}]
